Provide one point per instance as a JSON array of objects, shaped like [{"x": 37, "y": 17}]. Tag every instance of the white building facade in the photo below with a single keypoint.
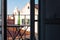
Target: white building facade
[{"x": 25, "y": 16}]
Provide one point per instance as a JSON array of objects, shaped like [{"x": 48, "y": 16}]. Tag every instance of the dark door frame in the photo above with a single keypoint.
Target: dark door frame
[
  {"x": 5, "y": 18},
  {"x": 32, "y": 16},
  {"x": 41, "y": 18}
]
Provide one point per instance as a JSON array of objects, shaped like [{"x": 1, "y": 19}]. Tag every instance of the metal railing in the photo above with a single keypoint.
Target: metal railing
[{"x": 17, "y": 26}]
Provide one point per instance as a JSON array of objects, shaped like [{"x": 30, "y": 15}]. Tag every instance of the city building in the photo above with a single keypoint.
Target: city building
[{"x": 25, "y": 15}]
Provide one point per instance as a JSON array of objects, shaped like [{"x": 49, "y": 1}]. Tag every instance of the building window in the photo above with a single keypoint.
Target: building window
[
  {"x": 28, "y": 21},
  {"x": 28, "y": 7},
  {"x": 23, "y": 21}
]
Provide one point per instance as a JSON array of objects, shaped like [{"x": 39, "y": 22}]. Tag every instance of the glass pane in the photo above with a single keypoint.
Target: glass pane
[
  {"x": 0, "y": 37},
  {"x": 0, "y": 21},
  {"x": 36, "y": 30},
  {"x": 0, "y": 28},
  {"x": 18, "y": 19},
  {"x": 0, "y": 6},
  {"x": 0, "y": 17},
  {"x": 36, "y": 19}
]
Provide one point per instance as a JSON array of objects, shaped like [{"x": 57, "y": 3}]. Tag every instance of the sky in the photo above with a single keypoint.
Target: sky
[{"x": 12, "y": 4}]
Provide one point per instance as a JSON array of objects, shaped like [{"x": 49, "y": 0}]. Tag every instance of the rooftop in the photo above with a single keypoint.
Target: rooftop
[{"x": 36, "y": 6}]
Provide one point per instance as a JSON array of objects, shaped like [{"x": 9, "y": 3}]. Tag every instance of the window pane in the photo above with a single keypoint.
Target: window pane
[
  {"x": 23, "y": 21},
  {"x": 36, "y": 30},
  {"x": 18, "y": 17},
  {"x": 0, "y": 17},
  {"x": 28, "y": 21},
  {"x": 0, "y": 6},
  {"x": 0, "y": 29},
  {"x": 0, "y": 21},
  {"x": 0, "y": 37},
  {"x": 36, "y": 19}
]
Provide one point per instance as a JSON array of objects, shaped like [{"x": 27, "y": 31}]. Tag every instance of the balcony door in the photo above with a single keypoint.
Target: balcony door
[
  {"x": 49, "y": 20},
  {"x": 23, "y": 13},
  {"x": 28, "y": 15}
]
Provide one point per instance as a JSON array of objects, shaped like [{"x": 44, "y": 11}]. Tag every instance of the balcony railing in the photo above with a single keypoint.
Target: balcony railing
[{"x": 15, "y": 31}]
